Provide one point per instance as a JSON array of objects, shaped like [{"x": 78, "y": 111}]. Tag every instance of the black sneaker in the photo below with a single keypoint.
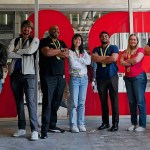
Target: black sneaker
[
  {"x": 104, "y": 126},
  {"x": 43, "y": 135},
  {"x": 114, "y": 128},
  {"x": 56, "y": 130}
]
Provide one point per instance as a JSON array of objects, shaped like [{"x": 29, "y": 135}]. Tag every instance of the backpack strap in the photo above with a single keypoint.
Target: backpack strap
[
  {"x": 16, "y": 41},
  {"x": 30, "y": 40},
  {"x": 18, "y": 38}
]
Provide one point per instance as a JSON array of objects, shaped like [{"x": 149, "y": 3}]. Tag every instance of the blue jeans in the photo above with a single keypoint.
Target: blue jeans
[
  {"x": 25, "y": 84},
  {"x": 78, "y": 89},
  {"x": 136, "y": 96}
]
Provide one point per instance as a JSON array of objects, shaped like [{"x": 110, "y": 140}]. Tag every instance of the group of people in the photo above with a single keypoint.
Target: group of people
[{"x": 52, "y": 55}]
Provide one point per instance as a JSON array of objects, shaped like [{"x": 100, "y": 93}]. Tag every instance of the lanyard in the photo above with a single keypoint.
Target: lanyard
[
  {"x": 57, "y": 44},
  {"x": 104, "y": 54},
  {"x": 77, "y": 53},
  {"x": 128, "y": 54}
]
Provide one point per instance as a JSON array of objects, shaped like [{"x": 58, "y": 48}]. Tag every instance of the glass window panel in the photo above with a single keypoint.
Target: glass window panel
[{"x": 121, "y": 39}]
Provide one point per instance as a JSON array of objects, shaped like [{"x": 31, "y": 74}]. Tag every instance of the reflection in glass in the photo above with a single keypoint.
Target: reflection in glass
[{"x": 121, "y": 39}]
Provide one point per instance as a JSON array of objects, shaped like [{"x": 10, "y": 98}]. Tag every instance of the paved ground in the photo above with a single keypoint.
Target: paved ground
[{"x": 91, "y": 140}]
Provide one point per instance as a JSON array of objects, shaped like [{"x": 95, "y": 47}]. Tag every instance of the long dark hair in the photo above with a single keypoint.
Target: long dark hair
[
  {"x": 81, "y": 46},
  {"x": 148, "y": 42}
]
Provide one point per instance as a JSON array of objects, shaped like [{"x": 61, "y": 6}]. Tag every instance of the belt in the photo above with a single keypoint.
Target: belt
[{"x": 79, "y": 76}]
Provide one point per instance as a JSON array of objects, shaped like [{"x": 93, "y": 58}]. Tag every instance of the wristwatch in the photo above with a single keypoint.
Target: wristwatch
[{"x": 62, "y": 49}]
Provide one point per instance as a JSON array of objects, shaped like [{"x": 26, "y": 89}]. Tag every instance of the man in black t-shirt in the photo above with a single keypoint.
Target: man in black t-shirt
[{"x": 51, "y": 61}]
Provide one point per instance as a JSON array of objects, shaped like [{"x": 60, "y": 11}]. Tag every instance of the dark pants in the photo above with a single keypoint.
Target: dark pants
[
  {"x": 25, "y": 84},
  {"x": 104, "y": 86},
  {"x": 52, "y": 88}
]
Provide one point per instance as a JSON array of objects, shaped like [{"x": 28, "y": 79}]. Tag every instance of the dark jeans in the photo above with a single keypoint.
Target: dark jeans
[
  {"x": 104, "y": 86},
  {"x": 25, "y": 84},
  {"x": 136, "y": 96},
  {"x": 52, "y": 88}
]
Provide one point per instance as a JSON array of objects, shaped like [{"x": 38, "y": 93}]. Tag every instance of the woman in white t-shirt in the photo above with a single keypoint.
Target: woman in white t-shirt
[{"x": 78, "y": 61}]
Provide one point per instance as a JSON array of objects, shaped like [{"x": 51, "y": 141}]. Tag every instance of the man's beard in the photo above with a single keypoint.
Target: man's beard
[
  {"x": 105, "y": 42},
  {"x": 53, "y": 36},
  {"x": 26, "y": 33}
]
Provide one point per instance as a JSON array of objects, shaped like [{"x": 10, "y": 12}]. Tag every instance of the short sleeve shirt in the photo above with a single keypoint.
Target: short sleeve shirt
[
  {"x": 51, "y": 65},
  {"x": 109, "y": 70},
  {"x": 136, "y": 69}
]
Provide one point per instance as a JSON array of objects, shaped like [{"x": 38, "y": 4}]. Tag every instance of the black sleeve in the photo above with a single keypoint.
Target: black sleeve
[
  {"x": 95, "y": 50},
  {"x": 43, "y": 43},
  {"x": 63, "y": 45},
  {"x": 3, "y": 55}
]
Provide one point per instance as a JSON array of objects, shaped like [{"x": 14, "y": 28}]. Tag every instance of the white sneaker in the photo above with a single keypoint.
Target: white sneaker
[
  {"x": 20, "y": 132},
  {"x": 74, "y": 129},
  {"x": 82, "y": 128},
  {"x": 140, "y": 129},
  {"x": 131, "y": 128},
  {"x": 34, "y": 136}
]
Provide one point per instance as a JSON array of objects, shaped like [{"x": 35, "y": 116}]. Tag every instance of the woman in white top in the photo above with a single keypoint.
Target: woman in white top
[{"x": 78, "y": 61}]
